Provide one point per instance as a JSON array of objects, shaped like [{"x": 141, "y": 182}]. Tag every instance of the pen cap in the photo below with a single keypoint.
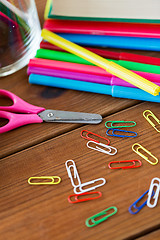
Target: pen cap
[
  {"x": 133, "y": 78},
  {"x": 139, "y": 58},
  {"x": 133, "y": 93},
  {"x": 139, "y": 66}
]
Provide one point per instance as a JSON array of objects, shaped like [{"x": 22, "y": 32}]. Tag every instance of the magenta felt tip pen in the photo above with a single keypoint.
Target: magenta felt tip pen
[
  {"x": 80, "y": 76},
  {"x": 82, "y": 68}
]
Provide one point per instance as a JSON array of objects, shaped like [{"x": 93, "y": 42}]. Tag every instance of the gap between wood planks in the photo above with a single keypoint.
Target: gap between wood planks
[
  {"x": 73, "y": 127},
  {"x": 145, "y": 233}
]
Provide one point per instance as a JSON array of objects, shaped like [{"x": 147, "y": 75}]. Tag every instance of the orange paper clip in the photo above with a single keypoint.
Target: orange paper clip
[
  {"x": 77, "y": 200},
  {"x": 94, "y": 134},
  {"x": 126, "y": 161}
]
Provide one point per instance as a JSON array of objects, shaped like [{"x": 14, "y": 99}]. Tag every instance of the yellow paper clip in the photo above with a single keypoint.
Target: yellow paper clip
[
  {"x": 52, "y": 178},
  {"x": 137, "y": 146},
  {"x": 147, "y": 114}
]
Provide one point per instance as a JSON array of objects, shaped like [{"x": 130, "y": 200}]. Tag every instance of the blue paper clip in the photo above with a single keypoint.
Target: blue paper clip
[
  {"x": 141, "y": 206},
  {"x": 119, "y": 130}
]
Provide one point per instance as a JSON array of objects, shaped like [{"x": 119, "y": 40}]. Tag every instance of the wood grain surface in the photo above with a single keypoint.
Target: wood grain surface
[
  {"x": 43, "y": 212},
  {"x": 52, "y": 98}
]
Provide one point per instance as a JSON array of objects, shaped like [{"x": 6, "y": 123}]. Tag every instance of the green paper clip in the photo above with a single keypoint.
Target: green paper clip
[
  {"x": 121, "y": 126},
  {"x": 96, "y": 222}
]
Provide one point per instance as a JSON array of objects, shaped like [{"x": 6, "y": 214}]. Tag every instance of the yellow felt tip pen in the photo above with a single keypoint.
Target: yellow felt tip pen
[
  {"x": 109, "y": 66},
  {"x": 47, "y": 8}
]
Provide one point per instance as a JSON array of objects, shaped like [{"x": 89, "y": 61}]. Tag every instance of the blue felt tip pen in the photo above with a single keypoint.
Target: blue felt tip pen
[
  {"x": 138, "y": 43},
  {"x": 114, "y": 91}
]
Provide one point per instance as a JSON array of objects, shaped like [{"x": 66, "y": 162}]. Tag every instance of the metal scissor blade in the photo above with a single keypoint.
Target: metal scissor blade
[{"x": 69, "y": 117}]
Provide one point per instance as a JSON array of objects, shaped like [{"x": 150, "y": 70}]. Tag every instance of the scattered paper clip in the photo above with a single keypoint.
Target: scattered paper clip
[
  {"x": 76, "y": 175},
  {"x": 137, "y": 146},
  {"x": 78, "y": 200},
  {"x": 147, "y": 114},
  {"x": 134, "y": 205},
  {"x": 113, "y": 130},
  {"x": 109, "y": 150},
  {"x": 91, "y": 222},
  {"x": 126, "y": 161},
  {"x": 79, "y": 184},
  {"x": 52, "y": 178},
  {"x": 80, "y": 187},
  {"x": 154, "y": 196},
  {"x": 111, "y": 123},
  {"x": 94, "y": 134}
]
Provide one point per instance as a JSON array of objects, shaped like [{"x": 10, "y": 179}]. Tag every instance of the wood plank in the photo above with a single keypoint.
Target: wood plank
[
  {"x": 154, "y": 235},
  {"x": 52, "y": 98},
  {"x": 43, "y": 212}
]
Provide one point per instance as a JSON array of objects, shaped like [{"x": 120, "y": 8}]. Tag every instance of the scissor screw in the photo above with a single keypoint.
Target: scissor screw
[{"x": 50, "y": 115}]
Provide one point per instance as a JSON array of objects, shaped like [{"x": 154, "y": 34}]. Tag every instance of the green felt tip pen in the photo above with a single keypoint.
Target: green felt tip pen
[{"x": 69, "y": 57}]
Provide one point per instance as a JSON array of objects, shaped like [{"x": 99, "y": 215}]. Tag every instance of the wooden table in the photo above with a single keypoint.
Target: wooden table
[{"x": 43, "y": 212}]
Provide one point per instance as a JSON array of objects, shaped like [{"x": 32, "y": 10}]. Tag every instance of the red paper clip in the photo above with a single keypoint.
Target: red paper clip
[
  {"x": 94, "y": 134},
  {"x": 126, "y": 167},
  {"x": 85, "y": 199}
]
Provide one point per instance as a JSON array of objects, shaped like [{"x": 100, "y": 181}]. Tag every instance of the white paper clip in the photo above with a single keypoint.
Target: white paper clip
[
  {"x": 110, "y": 150},
  {"x": 81, "y": 190},
  {"x": 154, "y": 196},
  {"x": 76, "y": 175}
]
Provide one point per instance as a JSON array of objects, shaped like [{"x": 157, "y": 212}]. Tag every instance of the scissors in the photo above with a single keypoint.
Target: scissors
[{"x": 33, "y": 114}]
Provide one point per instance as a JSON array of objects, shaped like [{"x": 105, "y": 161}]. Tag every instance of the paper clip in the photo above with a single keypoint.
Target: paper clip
[
  {"x": 150, "y": 193},
  {"x": 81, "y": 190},
  {"x": 76, "y": 175},
  {"x": 52, "y": 178},
  {"x": 142, "y": 155},
  {"x": 96, "y": 222},
  {"x": 77, "y": 200},
  {"x": 110, "y": 150},
  {"x": 134, "y": 205},
  {"x": 120, "y": 126},
  {"x": 113, "y": 130},
  {"x": 147, "y": 114},
  {"x": 94, "y": 134},
  {"x": 126, "y": 161}
]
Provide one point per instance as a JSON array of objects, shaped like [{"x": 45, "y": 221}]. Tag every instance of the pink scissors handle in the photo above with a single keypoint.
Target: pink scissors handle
[
  {"x": 18, "y": 120},
  {"x": 19, "y": 105}
]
